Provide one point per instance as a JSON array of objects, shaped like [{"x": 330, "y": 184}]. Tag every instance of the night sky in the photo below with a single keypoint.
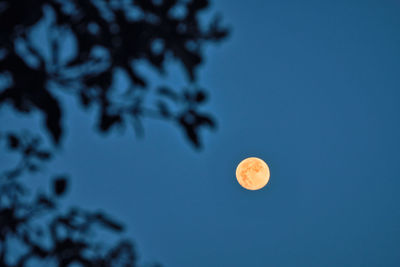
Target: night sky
[{"x": 312, "y": 88}]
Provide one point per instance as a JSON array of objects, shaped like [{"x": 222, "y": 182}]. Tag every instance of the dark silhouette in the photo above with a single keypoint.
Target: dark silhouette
[
  {"x": 109, "y": 38},
  {"x": 41, "y": 229},
  {"x": 106, "y": 38}
]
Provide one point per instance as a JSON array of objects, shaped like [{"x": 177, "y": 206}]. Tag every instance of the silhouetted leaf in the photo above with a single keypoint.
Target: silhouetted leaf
[
  {"x": 122, "y": 254},
  {"x": 108, "y": 222},
  {"x": 192, "y": 135},
  {"x": 187, "y": 121},
  {"x": 45, "y": 201},
  {"x": 50, "y": 106},
  {"x": 206, "y": 120},
  {"x": 106, "y": 121},
  {"x": 13, "y": 141},
  {"x": 200, "y": 96},
  {"x": 60, "y": 185},
  {"x": 216, "y": 32},
  {"x": 85, "y": 100}
]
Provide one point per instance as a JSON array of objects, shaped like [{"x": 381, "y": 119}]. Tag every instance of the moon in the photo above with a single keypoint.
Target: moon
[{"x": 252, "y": 173}]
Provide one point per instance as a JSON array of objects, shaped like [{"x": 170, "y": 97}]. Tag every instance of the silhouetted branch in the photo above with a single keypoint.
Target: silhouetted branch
[
  {"x": 109, "y": 38},
  {"x": 87, "y": 44},
  {"x": 45, "y": 231}
]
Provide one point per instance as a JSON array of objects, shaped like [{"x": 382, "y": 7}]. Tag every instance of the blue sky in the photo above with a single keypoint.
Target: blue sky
[{"x": 311, "y": 87}]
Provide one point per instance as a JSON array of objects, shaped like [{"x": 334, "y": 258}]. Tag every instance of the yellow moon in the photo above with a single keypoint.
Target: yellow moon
[{"x": 252, "y": 173}]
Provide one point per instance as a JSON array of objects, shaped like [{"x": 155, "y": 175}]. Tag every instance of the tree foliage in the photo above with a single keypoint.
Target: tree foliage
[
  {"x": 107, "y": 38},
  {"x": 43, "y": 233},
  {"x": 111, "y": 36}
]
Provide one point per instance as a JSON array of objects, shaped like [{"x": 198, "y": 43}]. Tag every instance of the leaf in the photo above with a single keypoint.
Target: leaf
[
  {"x": 216, "y": 32},
  {"x": 107, "y": 121},
  {"x": 135, "y": 77},
  {"x": 60, "y": 185},
  {"x": 45, "y": 201},
  {"x": 200, "y": 96},
  {"x": 52, "y": 112},
  {"x": 206, "y": 120},
  {"x": 188, "y": 123},
  {"x": 190, "y": 61},
  {"x": 122, "y": 254},
  {"x": 194, "y": 6},
  {"x": 192, "y": 135},
  {"x": 13, "y": 141},
  {"x": 108, "y": 222},
  {"x": 84, "y": 98}
]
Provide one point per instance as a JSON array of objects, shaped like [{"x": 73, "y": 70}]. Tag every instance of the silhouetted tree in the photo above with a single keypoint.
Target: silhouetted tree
[
  {"x": 109, "y": 36},
  {"x": 106, "y": 39},
  {"x": 42, "y": 232}
]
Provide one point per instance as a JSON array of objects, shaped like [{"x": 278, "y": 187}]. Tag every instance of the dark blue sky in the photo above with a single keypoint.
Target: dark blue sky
[{"x": 311, "y": 87}]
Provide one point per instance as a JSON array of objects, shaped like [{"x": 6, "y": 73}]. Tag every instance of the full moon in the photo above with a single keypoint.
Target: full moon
[{"x": 252, "y": 173}]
